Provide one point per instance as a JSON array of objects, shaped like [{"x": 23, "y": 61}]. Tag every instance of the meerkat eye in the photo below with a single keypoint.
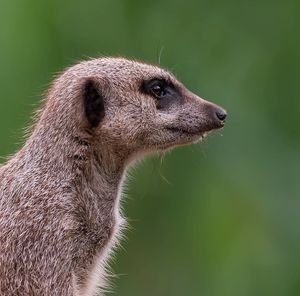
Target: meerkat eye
[
  {"x": 156, "y": 87},
  {"x": 158, "y": 90}
]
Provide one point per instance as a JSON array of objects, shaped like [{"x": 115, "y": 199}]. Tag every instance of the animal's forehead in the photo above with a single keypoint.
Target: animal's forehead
[{"x": 120, "y": 68}]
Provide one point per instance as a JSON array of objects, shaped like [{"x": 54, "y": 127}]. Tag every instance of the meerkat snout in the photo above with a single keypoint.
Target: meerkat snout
[
  {"x": 218, "y": 115},
  {"x": 60, "y": 214},
  {"x": 221, "y": 114}
]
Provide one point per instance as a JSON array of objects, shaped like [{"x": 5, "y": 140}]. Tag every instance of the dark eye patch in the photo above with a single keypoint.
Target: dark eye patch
[
  {"x": 156, "y": 87},
  {"x": 163, "y": 91}
]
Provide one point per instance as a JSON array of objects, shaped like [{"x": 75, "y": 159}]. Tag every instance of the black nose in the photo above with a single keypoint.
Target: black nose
[{"x": 221, "y": 114}]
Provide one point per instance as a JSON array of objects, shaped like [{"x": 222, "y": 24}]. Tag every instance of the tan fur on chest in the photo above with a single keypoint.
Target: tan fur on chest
[{"x": 96, "y": 278}]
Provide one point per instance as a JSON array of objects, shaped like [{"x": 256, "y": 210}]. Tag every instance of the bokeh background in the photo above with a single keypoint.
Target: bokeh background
[{"x": 220, "y": 218}]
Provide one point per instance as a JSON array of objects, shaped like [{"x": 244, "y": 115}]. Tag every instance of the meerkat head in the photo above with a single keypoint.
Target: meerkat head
[{"x": 135, "y": 106}]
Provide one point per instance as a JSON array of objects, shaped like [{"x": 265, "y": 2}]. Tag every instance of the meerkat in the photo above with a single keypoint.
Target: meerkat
[{"x": 60, "y": 193}]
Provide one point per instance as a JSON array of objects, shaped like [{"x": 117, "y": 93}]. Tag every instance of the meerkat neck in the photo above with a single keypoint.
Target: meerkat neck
[{"x": 68, "y": 155}]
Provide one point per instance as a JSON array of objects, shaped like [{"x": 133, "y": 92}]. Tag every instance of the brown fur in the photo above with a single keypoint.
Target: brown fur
[{"x": 59, "y": 195}]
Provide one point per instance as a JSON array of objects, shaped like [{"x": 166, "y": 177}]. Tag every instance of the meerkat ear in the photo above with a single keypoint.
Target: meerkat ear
[{"x": 93, "y": 101}]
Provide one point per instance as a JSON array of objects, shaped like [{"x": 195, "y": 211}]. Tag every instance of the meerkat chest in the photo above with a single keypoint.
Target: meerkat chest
[
  {"x": 103, "y": 235},
  {"x": 94, "y": 278}
]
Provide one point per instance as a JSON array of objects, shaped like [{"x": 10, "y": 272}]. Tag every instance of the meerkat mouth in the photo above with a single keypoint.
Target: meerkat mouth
[
  {"x": 185, "y": 131},
  {"x": 188, "y": 136}
]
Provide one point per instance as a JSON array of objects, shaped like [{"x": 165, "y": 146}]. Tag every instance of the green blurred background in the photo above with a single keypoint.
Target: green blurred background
[{"x": 220, "y": 218}]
